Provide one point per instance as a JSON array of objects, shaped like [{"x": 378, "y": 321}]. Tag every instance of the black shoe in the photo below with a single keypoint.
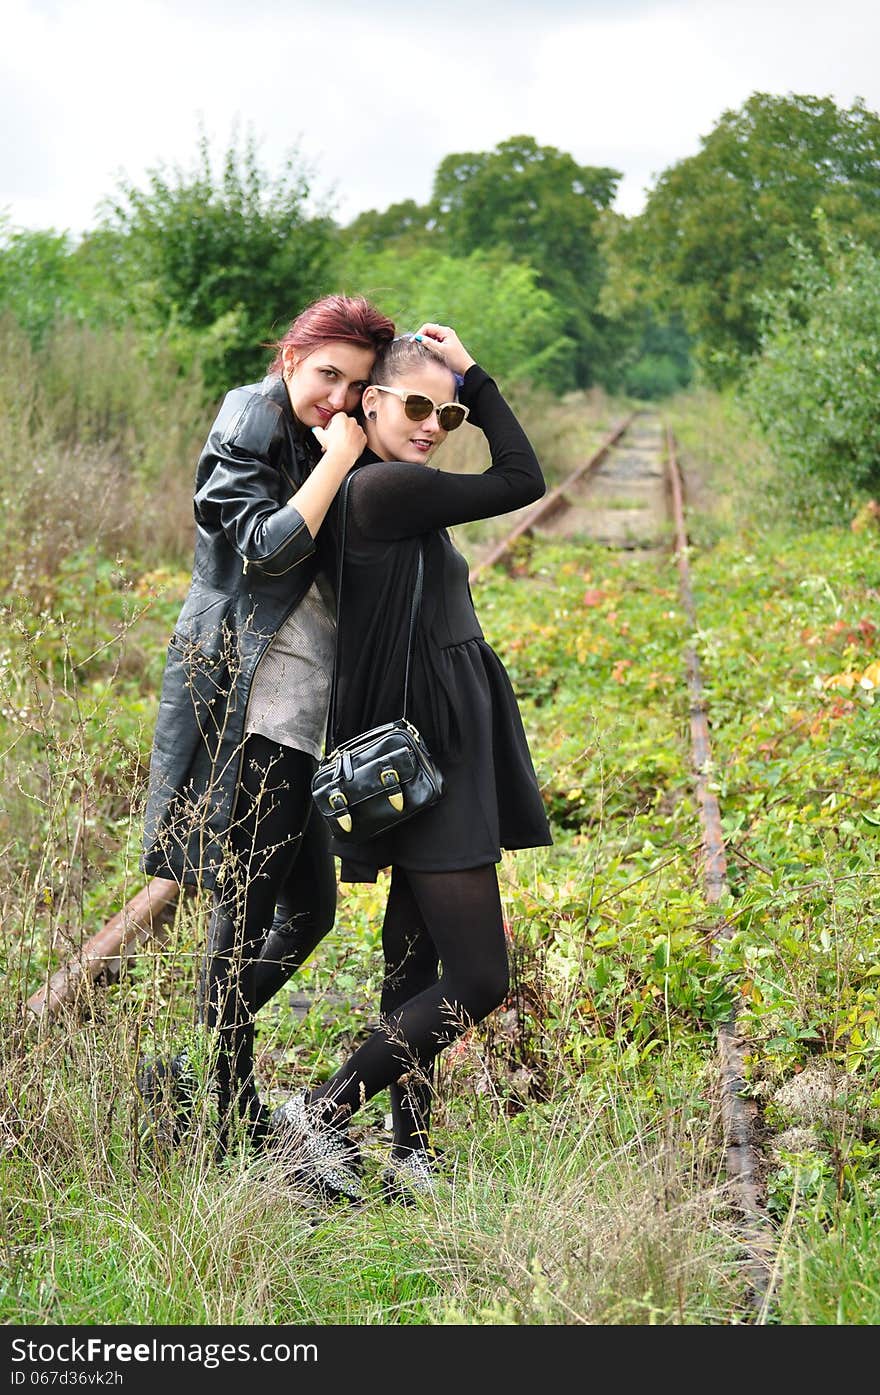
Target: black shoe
[
  {"x": 166, "y": 1092},
  {"x": 258, "y": 1125},
  {"x": 254, "y": 1122},
  {"x": 321, "y": 1155},
  {"x": 411, "y": 1178}
]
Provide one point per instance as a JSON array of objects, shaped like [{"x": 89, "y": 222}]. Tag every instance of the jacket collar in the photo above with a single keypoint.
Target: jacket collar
[{"x": 274, "y": 387}]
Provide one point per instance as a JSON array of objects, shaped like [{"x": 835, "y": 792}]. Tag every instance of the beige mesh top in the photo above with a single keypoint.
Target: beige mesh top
[{"x": 290, "y": 694}]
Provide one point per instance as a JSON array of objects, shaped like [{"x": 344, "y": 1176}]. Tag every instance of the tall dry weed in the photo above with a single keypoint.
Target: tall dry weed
[{"x": 97, "y": 449}]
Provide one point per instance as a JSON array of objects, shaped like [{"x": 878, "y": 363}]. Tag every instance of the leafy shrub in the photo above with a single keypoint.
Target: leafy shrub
[
  {"x": 715, "y": 232},
  {"x": 655, "y": 375},
  {"x": 813, "y": 388},
  {"x": 221, "y": 263},
  {"x": 497, "y": 307},
  {"x": 35, "y": 283}
]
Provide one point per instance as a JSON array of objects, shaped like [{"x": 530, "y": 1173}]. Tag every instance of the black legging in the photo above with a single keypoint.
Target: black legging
[
  {"x": 411, "y": 965},
  {"x": 453, "y": 918},
  {"x": 276, "y": 902}
]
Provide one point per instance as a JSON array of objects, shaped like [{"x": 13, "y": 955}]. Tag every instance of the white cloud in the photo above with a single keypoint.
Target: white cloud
[
  {"x": 375, "y": 97},
  {"x": 684, "y": 65}
]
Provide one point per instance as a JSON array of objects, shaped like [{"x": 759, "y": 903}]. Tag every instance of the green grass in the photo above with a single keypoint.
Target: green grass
[{"x": 573, "y": 1212}]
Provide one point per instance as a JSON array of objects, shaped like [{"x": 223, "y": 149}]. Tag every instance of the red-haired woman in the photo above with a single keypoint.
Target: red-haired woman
[{"x": 243, "y": 707}]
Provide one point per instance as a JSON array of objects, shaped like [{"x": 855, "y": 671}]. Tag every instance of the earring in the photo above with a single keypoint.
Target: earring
[{"x": 371, "y": 416}]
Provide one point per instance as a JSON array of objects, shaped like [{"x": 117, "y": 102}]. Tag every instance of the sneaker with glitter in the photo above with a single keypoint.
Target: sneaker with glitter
[
  {"x": 409, "y": 1178},
  {"x": 320, "y": 1155}
]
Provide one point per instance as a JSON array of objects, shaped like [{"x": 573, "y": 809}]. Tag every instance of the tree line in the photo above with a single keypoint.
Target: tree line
[{"x": 731, "y": 272}]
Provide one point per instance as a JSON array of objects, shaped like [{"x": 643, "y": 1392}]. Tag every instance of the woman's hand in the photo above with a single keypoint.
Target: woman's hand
[
  {"x": 342, "y": 441},
  {"x": 341, "y": 438},
  {"x": 447, "y": 343}
]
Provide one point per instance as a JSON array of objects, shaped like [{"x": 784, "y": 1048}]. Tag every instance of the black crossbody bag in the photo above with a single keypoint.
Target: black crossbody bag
[{"x": 375, "y": 781}]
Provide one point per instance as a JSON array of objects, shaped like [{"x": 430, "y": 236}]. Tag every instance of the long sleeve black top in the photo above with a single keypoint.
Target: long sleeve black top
[{"x": 392, "y": 506}]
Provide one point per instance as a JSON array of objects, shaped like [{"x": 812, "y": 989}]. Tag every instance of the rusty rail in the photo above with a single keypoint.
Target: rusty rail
[
  {"x": 142, "y": 918},
  {"x": 553, "y": 501},
  {"x": 738, "y": 1112}
]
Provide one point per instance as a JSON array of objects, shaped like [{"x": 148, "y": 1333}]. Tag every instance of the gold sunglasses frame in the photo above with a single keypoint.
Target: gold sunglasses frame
[{"x": 404, "y": 395}]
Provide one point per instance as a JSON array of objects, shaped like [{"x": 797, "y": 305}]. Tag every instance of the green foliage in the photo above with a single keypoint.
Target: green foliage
[
  {"x": 716, "y": 227},
  {"x": 539, "y": 205},
  {"x": 409, "y": 226},
  {"x": 98, "y": 441},
  {"x": 789, "y": 649},
  {"x": 496, "y": 306},
  {"x": 733, "y": 486},
  {"x": 645, "y": 352},
  {"x": 832, "y": 1277},
  {"x": 35, "y": 279},
  {"x": 220, "y": 265},
  {"x": 522, "y": 195},
  {"x": 813, "y": 387},
  {"x": 48, "y": 282},
  {"x": 610, "y": 935},
  {"x": 79, "y": 680},
  {"x": 653, "y": 376},
  {"x": 211, "y": 268},
  {"x": 521, "y": 203}
]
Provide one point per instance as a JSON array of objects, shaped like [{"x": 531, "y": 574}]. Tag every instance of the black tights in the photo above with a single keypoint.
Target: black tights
[
  {"x": 276, "y": 902},
  {"x": 431, "y": 917}
]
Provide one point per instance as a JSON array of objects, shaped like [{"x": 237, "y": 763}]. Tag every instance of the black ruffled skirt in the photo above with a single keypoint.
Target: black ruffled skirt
[{"x": 491, "y": 801}]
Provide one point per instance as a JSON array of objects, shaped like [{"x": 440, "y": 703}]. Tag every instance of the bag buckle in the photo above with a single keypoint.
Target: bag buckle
[
  {"x": 391, "y": 777},
  {"x": 338, "y": 800}
]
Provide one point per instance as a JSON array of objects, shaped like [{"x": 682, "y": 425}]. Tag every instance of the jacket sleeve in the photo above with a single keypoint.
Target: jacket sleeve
[
  {"x": 393, "y": 499},
  {"x": 246, "y": 491}
]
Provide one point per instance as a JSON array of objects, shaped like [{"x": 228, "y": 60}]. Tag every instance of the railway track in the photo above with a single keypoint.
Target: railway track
[{"x": 628, "y": 494}]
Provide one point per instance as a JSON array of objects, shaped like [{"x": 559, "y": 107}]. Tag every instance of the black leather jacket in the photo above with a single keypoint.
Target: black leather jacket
[{"x": 254, "y": 561}]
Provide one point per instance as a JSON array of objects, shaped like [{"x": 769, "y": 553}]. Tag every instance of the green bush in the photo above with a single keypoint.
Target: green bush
[
  {"x": 223, "y": 262},
  {"x": 35, "y": 280},
  {"x": 496, "y": 306},
  {"x": 655, "y": 375},
  {"x": 813, "y": 388}
]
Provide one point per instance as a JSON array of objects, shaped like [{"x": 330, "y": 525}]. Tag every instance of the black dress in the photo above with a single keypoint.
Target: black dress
[{"x": 461, "y": 697}]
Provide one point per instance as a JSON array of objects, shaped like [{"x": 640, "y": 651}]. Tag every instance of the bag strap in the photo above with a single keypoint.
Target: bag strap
[{"x": 413, "y": 616}]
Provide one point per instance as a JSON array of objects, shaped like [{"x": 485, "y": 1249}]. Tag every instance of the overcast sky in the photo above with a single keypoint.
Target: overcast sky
[{"x": 374, "y": 94}]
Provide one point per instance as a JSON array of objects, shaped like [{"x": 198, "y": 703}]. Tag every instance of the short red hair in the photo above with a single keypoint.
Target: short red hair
[{"x": 343, "y": 318}]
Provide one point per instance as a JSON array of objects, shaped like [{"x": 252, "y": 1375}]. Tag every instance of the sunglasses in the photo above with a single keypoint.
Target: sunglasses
[{"x": 418, "y": 407}]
